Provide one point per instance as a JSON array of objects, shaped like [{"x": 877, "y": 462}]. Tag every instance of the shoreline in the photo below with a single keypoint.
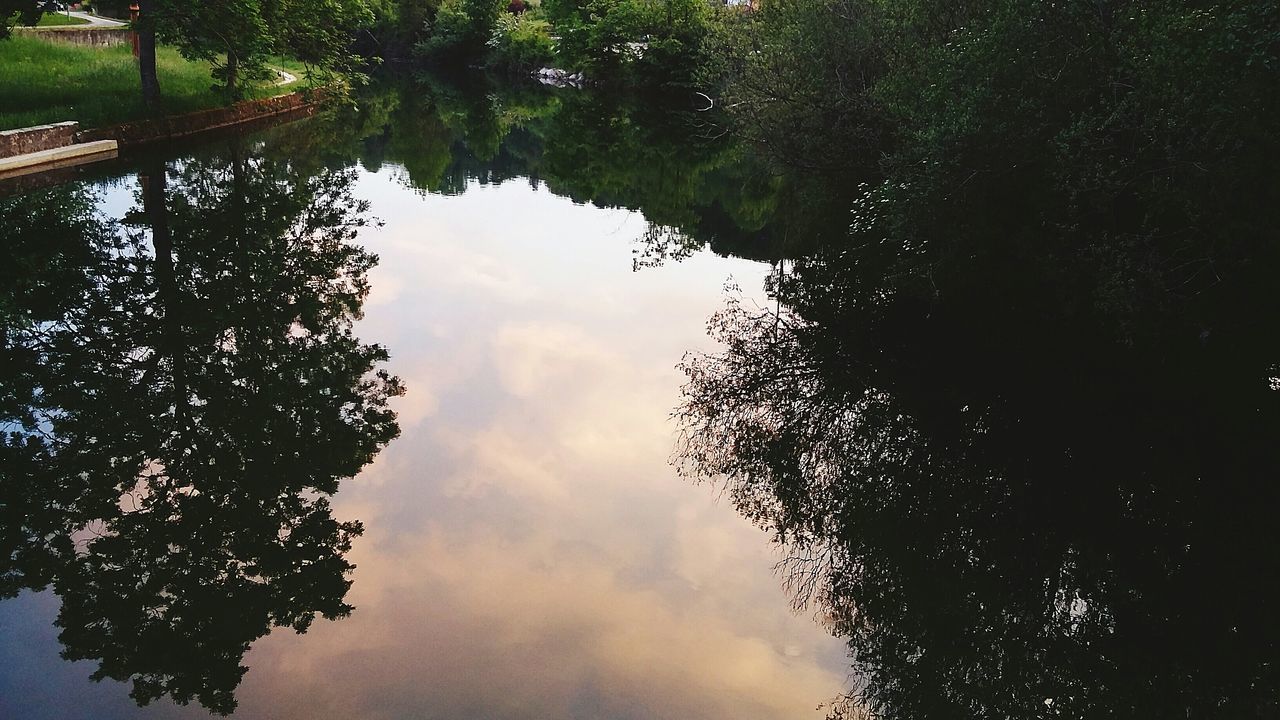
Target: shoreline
[
  {"x": 43, "y": 171},
  {"x": 137, "y": 133}
]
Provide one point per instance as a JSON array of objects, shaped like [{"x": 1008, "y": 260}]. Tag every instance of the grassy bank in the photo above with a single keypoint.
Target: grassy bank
[{"x": 43, "y": 82}]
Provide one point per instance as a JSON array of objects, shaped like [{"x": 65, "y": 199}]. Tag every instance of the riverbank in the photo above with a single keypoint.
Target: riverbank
[
  {"x": 44, "y": 82},
  {"x": 74, "y": 150},
  {"x": 173, "y": 127}
]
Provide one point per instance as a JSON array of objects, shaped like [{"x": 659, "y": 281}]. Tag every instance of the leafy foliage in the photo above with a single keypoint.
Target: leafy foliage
[
  {"x": 460, "y": 30},
  {"x": 521, "y": 43},
  {"x": 244, "y": 33},
  {"x": 656, "y": 42},
  {"x": 236, "y": 32},
  {"x": 25, "y": 12},
  {"x": 616, "y": 42}
]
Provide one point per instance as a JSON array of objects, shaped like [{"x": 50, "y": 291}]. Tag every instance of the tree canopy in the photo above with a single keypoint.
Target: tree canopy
[{"x": 25, "y": 12}]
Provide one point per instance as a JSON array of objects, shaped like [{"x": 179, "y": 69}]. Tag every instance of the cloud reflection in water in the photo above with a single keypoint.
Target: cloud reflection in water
[{"x": 529, "y": 553}]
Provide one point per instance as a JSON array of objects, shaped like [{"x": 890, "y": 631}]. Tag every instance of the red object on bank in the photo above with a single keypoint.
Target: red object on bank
[{"x": 133, "y": 18}]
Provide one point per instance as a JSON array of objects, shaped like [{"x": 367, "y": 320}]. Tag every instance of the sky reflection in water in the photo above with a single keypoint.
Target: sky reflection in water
[{"x": 528, "y": 550}]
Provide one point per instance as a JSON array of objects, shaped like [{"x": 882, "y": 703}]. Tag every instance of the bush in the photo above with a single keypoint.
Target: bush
[
  {"x": 461, "y": 29},
  {"x": 521, "y": 43},
  {"x": 652, "y": 42},
  {"x": 445, "y": 34}
]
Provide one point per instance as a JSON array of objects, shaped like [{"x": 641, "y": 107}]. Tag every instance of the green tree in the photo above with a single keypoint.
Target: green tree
[
  {"x": 236, "y": 35},
  {"x": 239, "y": 35},
  {"x": 24, "y": 12},
  {"x": 460, "y": 30},
  {"x": 320, "y": 33},
  {"x": 654, "y": 42}
]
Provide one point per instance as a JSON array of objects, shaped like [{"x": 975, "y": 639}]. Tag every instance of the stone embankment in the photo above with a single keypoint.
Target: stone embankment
[
  {"x": 46, "y": 147},
  {"x": 35, "y": 139},
  {"x": 172, "y": 127}
]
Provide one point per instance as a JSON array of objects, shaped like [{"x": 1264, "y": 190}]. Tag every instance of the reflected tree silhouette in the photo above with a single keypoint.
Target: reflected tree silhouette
[
  {"x": 1011, "y": 502},
  {"x": 1015, "y": 424},
  {"x": 183, "y": 393},
  {"x": 55, "y": 243}
]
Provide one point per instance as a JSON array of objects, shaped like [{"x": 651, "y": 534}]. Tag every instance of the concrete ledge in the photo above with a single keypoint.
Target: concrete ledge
[{"x": 57, "y": 157}]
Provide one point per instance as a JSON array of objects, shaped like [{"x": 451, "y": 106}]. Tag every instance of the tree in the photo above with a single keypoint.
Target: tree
[
  {"x": 319, "y": 32},
  {"x": 460, "y": 29},
  {"x": 145, "y": 25},
  {"x": 650, "y": 42},
  {"x": 236, "y": 35},
  {"x": 239, "y": 35},
  {"x": 1016, "y": 427},
  {"x": 191, "y": 399},
  {"x": 25, "y": 12}
]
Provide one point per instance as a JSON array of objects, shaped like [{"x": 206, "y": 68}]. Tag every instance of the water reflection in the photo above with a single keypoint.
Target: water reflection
[
  {"x": 182, "y": 393},
  {"x": 695, "y": 186},
  {"x": 526, "y": 552},
  {"x": 1026, "y": 469},
  {"x": 1020, "y": 452},
  {"x": 529, "y": 552}
]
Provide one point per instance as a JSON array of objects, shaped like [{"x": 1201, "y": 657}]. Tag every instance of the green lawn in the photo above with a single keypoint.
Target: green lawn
[
  {"x": 58, "y": 19},
  {"x": 52, "y": 20},
  {"x": 45, "y": 82}
]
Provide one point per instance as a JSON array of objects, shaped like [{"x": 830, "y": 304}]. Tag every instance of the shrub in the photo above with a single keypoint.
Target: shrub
[
  {"x": 521, "y": 43},
  {"x": 460, "y": 29},
  {"x": 653, "y": 42}
]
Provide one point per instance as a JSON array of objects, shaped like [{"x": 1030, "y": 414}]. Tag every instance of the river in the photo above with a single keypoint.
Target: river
[
  {"x": 528, "y": 550},
  {"x": 513, "y": 402}
]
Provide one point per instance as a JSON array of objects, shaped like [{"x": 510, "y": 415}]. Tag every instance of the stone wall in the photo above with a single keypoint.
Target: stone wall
[
  {"x": 35, "y": 139},
  {"x": 143, "y": 132},
  {"x": 92, "y": 37}
]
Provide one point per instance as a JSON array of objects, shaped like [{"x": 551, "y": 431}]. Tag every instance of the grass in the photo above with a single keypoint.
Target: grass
[
  {"x": 285, "y": 63},
  {"x": 44, "y": 82},
  {"x": 59, "y": 20},
  {"x": 53, "y": 20}
]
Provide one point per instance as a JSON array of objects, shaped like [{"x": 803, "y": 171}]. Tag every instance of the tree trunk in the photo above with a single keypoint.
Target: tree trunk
[
  {"x": 233, "y": 73},
  {"x": 146, "y": 30}
]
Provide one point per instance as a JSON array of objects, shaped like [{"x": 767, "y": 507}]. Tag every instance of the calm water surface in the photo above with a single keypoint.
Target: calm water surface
[
  {"x": 527, "y": 549},
  {"x": 429, "y": 378}
]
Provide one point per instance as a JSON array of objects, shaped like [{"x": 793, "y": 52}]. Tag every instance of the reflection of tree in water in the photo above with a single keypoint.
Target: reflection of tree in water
[
  {"x": 182, "y": 393},
  {"x": 1013, "y": 494},
  {"x": 696, "y": 188}
]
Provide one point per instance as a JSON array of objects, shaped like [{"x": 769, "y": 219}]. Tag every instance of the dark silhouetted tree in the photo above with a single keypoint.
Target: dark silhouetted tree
[{"x": 187, "y": 411}]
